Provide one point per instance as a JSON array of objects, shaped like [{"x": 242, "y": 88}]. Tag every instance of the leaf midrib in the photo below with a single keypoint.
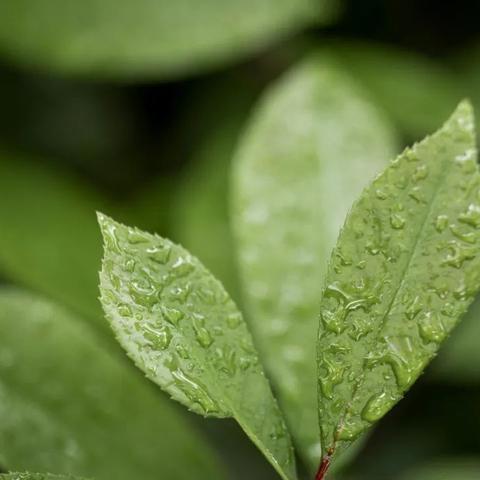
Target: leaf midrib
[{"x": 437, "y": 189}]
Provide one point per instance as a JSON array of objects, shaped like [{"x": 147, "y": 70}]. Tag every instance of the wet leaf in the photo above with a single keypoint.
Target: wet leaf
[
  {"x": 405, "y": 268},
  {"x": 312, "y": 144},
  {"x": 68, "y": 405},
  {"x": 181, "y": 328},
  {"x": 146, "y": 38}
]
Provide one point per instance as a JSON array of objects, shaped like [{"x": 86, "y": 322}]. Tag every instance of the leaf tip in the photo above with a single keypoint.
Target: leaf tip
[{"x": 463, "y": 116}]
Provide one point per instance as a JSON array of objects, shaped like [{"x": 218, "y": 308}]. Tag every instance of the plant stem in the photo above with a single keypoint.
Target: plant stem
[{"x": 323, "y": 468}]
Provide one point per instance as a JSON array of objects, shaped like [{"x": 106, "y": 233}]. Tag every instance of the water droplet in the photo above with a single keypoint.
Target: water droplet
[
  {"x": 431, "y": 328},
  {"x": 159, "y": 254},
  {"x": 465, "y": 236},
  {"x": 134, "y": 237},
  {"x": 404, "y": 359},
  {"x": 397, "y": 221},
  {"x": 143, "y": 293},
  {"x": 420, "y": 173},
  {"x": 182, "y": 351},
  {"x": 234, "y": 320},
  {"x": 381, "y": 194},
  {"x": 458, "y": 254},
  {"x": 159, "y": 338},
  {"x": 182, "y": 267},
  {"x": 414, "y": 308},
  {"x": 110, "y": 237},
  {"x": 376, "y": 407},
  {"x": 129, "y": 265},
  {"x": 206, "y": 295},
  {"x": 225, "y": 360},
  {"x": 332, "y": 375},
  {"x": 471, "y": 216},
  {"x": 124, "y": 310},
  {"x": 441, "y": 223},
  {"x": 349, "y": 430},
  {"x": 244, "y": 363},
  {"x": 172, "y": 315},
  {"x": 180, "y": 294},
  {"x": 201, "y": 333},
  {"x": 195, "y": 392}
]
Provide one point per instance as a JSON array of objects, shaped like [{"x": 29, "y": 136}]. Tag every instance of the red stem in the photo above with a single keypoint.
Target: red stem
[{"x": 322, "y": 470}]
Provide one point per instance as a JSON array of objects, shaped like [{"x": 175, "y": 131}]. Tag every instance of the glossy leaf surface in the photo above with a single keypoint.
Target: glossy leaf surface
[
  {"x": 405, "y": 268},
  {"x": 313, "y": 143},
  {"x": 69, "y": 406},
  {"x": 181, "y": 328}
]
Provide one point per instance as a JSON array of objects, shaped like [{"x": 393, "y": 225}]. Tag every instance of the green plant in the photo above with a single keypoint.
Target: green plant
[{"x": 404, "y": 270}]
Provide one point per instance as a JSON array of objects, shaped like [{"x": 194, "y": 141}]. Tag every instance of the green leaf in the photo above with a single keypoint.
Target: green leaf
[
  {"x": 415, "y": 91},
  {"x": 50, "y": 241},
  {"x": 146, "y": 38},
  {"x": 68, "y": 405},
  {"x": 36, "y": 476},
  {"x": 459, "y": 359},
  {"x": 446, "y": 469},
  {"x": 405, "y": 268},
  {"x": 180, "y": 327},
  {"x": 312, "y": 144}
]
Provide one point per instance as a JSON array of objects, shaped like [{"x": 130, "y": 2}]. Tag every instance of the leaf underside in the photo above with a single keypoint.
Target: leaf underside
[
  {"x": 405, "y": 268},
  {"x": 69, "y": 406},
  {"x": 314, "y": 142},
  {"x": 181, "y": 328}
]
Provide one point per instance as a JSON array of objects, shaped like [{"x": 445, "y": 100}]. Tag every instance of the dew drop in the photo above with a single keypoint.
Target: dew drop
[
  {"x": 201, "y": 333},
  {"x": 441, "y": 223},
  {"x": 349, "y": 430},
  {"x": 143, "y": 293},
  {"x": 397, "y": 221},
  {"x": 182, "y": 267},
  {"x": 159, "y": 254},
  {"x": 380, "y": 194},
  {"x": 431, "y": 328},
  {"x": 124, "y": 310},
  {"x": 172, "y": 315},
  {"x": 471, "y": 216},
  {"x": 159, "y": 338},
  {"x": 134, "y": 237},
  {"x": 420, "y": 173},
  {"x": 195, "y": 392},
  {"x": 182, "y": 351},
  {"x": 376, "y": 407},
  {"x": 129, "y": 265},
  {"x": 234, "y": 320}
]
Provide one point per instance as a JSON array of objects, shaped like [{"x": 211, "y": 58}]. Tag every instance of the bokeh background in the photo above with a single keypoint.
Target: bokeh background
[{"x": 141, "y": 121}]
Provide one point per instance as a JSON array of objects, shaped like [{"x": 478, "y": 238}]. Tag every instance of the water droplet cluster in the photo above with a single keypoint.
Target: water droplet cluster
[
  {"x": 313, "y": 145},
  {"x": 179, "y": 325},
  {"x": 406, "y": 266}
]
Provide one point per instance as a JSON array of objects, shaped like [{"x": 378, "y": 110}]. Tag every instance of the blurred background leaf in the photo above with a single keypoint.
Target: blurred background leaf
[
  {"x": 67, "y": 405},
  {"x": 146, "y": 38},
  {"x": 446, "y": 469}
]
